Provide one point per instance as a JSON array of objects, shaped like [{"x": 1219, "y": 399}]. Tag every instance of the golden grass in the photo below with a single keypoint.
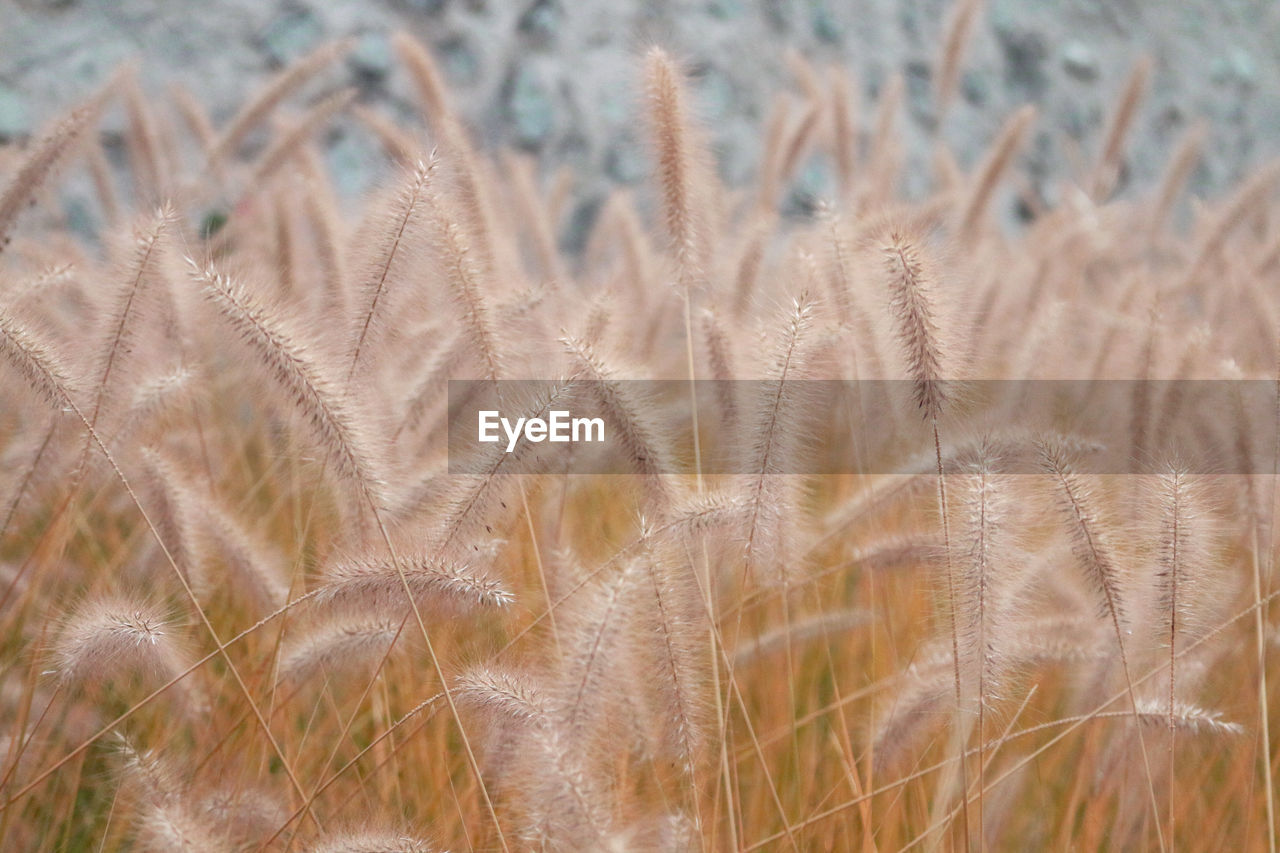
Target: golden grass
[{"x": 244, "y": 603}]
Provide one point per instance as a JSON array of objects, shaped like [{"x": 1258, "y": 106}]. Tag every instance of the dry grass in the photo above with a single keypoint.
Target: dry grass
[{"x": 245, "y": 605}]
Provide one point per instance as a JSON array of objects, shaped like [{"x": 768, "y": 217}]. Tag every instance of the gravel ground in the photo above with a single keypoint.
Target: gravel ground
[{"x": 558, "y": 77}]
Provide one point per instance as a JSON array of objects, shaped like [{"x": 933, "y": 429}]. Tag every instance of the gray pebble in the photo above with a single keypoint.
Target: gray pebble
[
  {"x": 1079, "y": 60},
  {"x": 1025, "y": 52}
]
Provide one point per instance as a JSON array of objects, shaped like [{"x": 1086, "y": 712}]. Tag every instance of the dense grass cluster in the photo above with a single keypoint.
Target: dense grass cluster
[{"x": 245, "y": 605}]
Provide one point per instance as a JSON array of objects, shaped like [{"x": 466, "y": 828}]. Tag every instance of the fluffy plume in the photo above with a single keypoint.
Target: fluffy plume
[
  {"x": 291, "y": 364},
  {"x": 959, "y": 29},
  {"x": 339, "y": 648},
  {"x": 367, "y": 841},
  {"x": 775, "y": 438},
  {"x": 677, "y": 167},
  {"x": 911, "y": 303},
  {"x": 44, "y": 157},
  {"x": 638, "y": 434},
  {"x": 375, "y": 586},
  {"x": 285, "y": 84},
  {"x": 112, "y": 638},
  {"x": 388, "y": 262},
  {"x": 1089, "y": 540}
]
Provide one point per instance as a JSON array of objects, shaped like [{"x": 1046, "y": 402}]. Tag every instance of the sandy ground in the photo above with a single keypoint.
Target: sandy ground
[{"x": 558, "y": 77}]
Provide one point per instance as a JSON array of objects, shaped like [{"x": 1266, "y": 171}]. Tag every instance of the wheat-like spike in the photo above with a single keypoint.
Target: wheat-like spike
[
  {"x": 467, "y": 276},
  {"x": 26, "y": 457},
  {"x": 475, "y": 202},
  {"x": 637, "y": 434},
  {"x": 35, "y": 361},
  {"x": 109, "y": 636},
  {"x": 843, "y": 117},
  {"x": 255, "y": 565},
  {"x": 568, "y": 806},
  {"x": 292, "y": 139},
  {"x": 1181, "y": 165},
  {"x": 774, "y": 434},
  {"x": 1179, "y": 552},
  {"x": 750, "y": 261},
  {"x": 37, "y": 285},
  {"x": 146, "y": 150},
  {"x": 147, "y": 769},
  {"x": 918, "y": 708},
  {"x": 1187, "y": 717},
  {"x": 129, "y": 306},
  {"x": 507, "y": 695},
  {"x": 372, "y": 841},
  {"x": 798, "y": 142},
  {"x": 898, "y": 552},
  {"x": 978, "y": 585},
  {"x": 597, "y": 654},
  {"x": 1005, "y": 148},
  {"x": 882, "y": 155},
  {"x": 321, "y": 211},
  {"x": 282, "y": 86},
  {"x": 175, "y": 516},
  {"x": 194, "y": 117},
  {"x": 173, "y": 817},
  {"x": 720, "y": 358},
  {"x": 291, "y": 365},
  {"x": 959, "y": 31},
  {"x": 1111, "y": 156},
  {"x": 818, "y": 627},
  {"x": 339, "y": 647},
  {"x": 376, "y": 586},
  {"x": 674, "y": 620},
  {"x": 564, "y": 802},
  {"x": 912, "y": 308},
  {"x": 172, "y": 826},
  {"x": 44, "y": 157},
  {"x": 431, "y": 387},
  {"x": 1236, "y": 209},
  {"x": 375, "y": 281},
  {"x": 539, "y": 219},
  {"x": 1170, "y": 576},
  {"x": 104, "y": 183},
  {"x": 700, "y": 513},
  {"x": 1089, "y": 541},
  {"x": 468, "y": 506},
  {"x": 400, "y": 145},
  {"x": 985, "y": 507},
  {"x": 676, "y": 163},
  {"x": 426, "y": 77},
  {"x": 157, "y": 399},
  {"x": 911, "y": 303}
]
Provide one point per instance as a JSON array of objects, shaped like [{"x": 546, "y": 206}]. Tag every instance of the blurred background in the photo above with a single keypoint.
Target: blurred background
[{"x": 558, "y": 78}]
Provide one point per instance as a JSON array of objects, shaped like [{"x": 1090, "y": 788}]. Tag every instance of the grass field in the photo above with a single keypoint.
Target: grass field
[{"x": 245, "y": 604}]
